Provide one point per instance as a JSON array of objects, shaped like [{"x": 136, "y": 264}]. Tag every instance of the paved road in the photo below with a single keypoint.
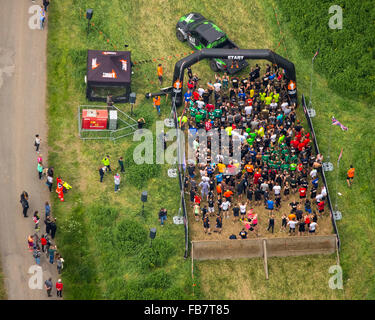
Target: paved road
[{"x": 22, "y": 115}]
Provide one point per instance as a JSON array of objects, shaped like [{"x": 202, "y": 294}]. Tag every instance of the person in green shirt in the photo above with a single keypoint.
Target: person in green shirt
[
  {"x": 265, "y": 157},
  {"x": 276, "y": 96},
  {"x": 268, "y": 100},
  {"x": 293, "y": 166},
  {"x": 198, "y": 118},
  {"x": 211, "y": 115},
  {"x": 193, "y": 111},
  {"x": 218, "y": 113},
  {"x": 203, "y": 113},
  {"x": 262, "y": 96},
  {"x": 105, "y": 161}
]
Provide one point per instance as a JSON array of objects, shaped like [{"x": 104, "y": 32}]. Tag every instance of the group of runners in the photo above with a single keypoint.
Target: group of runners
[{"x": 277, "y": 161}]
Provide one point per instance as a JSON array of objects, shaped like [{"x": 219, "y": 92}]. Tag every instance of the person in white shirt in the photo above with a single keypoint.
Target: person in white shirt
[
  {"x": 248, "y": 110},
  {"x": 243, "y": 210},
  {"x": 276, "y": 190},
  {"x": 292, "y": 226},
  {"x": 312, "y": 227},
  {"x": 217, "y": 86},
  {"x": 313, "y": 173},
  {"x": 200, "y": 91},
  {"x": 225, "y": 206},
  {"x": 200, "y": 104}
]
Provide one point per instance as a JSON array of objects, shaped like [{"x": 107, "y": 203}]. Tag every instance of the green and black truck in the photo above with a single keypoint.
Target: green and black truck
[{"x": 201, "y": 33}]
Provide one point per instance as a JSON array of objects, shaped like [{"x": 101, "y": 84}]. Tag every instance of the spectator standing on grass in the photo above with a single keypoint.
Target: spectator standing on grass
[
  {"x": 37, "y": 142},
  {"x": 48, "y": 287},
  {"x": 156, "y": 101},
  {"x": 106, "y": 162},
  {"x": 121, "y": 163},
  {"x": 59, "y": 288},
  {"x": 160, "y": 74},
  {"x": 350, "y": 176},
  {"x": 25, "y": 203},
  {"x": 162, "y": 216},
  {"x": 117, "y": 180},
  {"x": 101, "y": 172},
  {"x": 47, "y": 222}
]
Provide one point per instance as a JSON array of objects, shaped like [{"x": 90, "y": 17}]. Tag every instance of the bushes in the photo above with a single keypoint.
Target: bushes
[
  {"x": 346, "y": 56},
  {"x": 156, "y": 256},
  {"x": 139, "y": 174},
  {"x": 129, "y": 236}
]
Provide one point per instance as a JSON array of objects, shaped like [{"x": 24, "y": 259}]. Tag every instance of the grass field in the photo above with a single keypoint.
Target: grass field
[
  {"x": 3, "y": 294},
  {"x": 94, "y": 219}
]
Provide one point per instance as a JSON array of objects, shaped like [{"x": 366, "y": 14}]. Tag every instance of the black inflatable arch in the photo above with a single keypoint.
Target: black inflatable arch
[{"x": 235, "y": 54}]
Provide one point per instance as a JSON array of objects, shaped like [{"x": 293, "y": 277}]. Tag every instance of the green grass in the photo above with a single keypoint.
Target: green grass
[
  {"x": 357, "y": 204},
  {"x": 92, "y": 218},
  {"x": 3, "y": 295}
]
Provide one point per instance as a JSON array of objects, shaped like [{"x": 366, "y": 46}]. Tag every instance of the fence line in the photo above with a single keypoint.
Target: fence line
[{"x": 321, "y": 170}]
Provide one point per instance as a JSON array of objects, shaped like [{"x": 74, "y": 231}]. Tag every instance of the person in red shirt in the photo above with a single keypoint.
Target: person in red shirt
[
  {"x": 208, "y": 125},
  {"x": 321, "y": 207},
  {"x": 210, "y": 107},
  {"x": 59, "y": 288},
  {"x": 257, "y": 175},
  {"x": 294, "y": 144},
  {"x": 195, "y": 95},
  {"x": 43, "y": 242},
  {"x": 197, "y": 199},
  {"x": 302, "y": 193}
]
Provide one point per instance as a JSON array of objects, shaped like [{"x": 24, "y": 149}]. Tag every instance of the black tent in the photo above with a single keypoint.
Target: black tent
[{"x": 108, "y": 72}]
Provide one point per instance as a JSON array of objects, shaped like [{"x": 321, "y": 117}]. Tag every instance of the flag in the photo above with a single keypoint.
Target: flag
[
  {"x": 316, "y": 53},
  {"x": 338, "y": 123},
  {"x": 340, "y": 156}
]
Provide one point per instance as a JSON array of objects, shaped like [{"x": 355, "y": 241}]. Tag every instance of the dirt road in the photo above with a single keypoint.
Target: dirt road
[{"x": 22, "y": 115}]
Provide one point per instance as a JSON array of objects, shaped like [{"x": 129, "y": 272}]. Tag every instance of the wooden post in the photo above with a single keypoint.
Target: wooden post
[{"x": 265, "y": 258}]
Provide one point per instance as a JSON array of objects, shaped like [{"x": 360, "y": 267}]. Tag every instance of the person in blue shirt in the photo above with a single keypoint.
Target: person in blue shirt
[
  {"x": 187, "y": 97},
  {"x": 269, "y": 205},
  {"x": 315, "y": 182},
  {"x": 210, "y": 170},
  {"x": 219, "y": 177},
  {"x": 242, "y": 95}
]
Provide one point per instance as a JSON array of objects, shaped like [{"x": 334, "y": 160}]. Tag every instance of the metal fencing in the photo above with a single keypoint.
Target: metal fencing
[
  {"x": 305, "y": 110},
  {"x": 126, "y": 125}
]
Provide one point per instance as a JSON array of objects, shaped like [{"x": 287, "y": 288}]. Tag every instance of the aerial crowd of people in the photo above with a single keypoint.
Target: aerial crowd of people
[{"x": 277, "y": 160}]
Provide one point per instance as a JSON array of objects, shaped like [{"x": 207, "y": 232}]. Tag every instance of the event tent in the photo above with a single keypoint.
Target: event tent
[{"x": 108, "y": 72}]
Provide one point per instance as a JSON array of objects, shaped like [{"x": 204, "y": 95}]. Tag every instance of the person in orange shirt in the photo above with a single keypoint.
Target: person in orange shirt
[
  {"x": 350, "y": 176},
  {"x": 156, "y": 101},
  {"x": 249, "y": 167},
  {"x": 160, "y": 73}
]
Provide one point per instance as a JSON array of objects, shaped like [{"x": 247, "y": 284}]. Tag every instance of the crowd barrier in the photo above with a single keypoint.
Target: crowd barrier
[{"x": 309, "y": 122}]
